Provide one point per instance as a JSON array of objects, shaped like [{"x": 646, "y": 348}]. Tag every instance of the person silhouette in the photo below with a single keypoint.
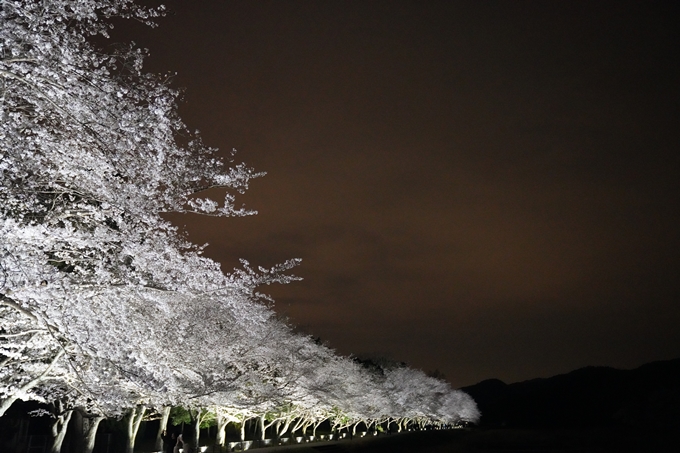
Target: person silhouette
[{"x": 179, "y": 444}]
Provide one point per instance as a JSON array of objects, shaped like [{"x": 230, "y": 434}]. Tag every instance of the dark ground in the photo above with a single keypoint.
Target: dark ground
[{"x": 498, "y": 440}]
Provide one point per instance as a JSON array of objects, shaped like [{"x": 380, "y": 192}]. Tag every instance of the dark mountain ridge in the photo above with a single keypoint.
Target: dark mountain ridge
[{"x": 647, "y": 396}]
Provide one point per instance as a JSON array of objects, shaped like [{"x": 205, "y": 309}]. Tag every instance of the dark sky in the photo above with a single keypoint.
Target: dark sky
[{"x": 485, "y": 188}]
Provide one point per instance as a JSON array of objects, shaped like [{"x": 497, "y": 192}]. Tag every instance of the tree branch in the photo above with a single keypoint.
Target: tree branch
[{"x": 8, "y": 302}]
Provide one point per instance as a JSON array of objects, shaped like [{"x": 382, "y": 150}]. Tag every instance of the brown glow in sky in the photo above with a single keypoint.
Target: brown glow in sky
[{"x": 486, "y": 188}]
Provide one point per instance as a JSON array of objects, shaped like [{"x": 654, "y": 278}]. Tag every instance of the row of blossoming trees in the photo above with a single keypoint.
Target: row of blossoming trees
[{"x": 104, "y": 306}]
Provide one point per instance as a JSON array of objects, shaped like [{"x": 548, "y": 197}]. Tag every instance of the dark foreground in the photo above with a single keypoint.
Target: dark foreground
[{"x": 497, "y": 440}]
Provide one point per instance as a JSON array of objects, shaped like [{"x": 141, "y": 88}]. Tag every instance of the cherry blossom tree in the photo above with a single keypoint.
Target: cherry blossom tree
[
  {"x": 104, "y": 305},
  {"x": 92, "y": 153}
]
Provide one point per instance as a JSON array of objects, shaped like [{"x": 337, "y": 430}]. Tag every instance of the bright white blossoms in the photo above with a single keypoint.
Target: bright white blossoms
[{"x": 102, "y": 304}]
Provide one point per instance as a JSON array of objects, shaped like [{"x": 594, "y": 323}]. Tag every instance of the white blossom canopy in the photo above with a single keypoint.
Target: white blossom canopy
[{"x": 103, "y": 303}]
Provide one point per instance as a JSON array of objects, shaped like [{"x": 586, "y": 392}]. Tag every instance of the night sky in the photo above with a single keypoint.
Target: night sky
[{"x": 485, "y": 188}]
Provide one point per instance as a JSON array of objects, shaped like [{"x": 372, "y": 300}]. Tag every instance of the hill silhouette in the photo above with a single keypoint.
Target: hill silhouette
[{"x": 646, "y": 397}]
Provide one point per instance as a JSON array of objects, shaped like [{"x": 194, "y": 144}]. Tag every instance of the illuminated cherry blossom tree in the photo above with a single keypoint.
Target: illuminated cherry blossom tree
[{"x": 104, "y": 306}]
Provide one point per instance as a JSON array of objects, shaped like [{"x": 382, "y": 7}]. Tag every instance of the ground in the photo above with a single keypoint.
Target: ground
[{"x": 493, "y": 440}]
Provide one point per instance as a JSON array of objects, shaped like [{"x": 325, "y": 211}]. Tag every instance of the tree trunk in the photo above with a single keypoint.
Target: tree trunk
[
  {"x": 284, "y": 429},
  {"x": 254, "y": 428},
  {"x": 277, "y": 423},
  {"x": 136, "y": 415},
  {"x": 165, "y": 415},
  {"x": 222, "y": 423},
  {"x": 243, "y": 430},
  {"x": 59, "y": 428},
  {"x": 197, "y": 426},
  {"x": 6, "y": 403},
  {"x": 299, "y": 424},
  {"x": 316, "y": 425},
  {"x": 90, "y": 433},
  {"x": 260, "y": 422}
]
